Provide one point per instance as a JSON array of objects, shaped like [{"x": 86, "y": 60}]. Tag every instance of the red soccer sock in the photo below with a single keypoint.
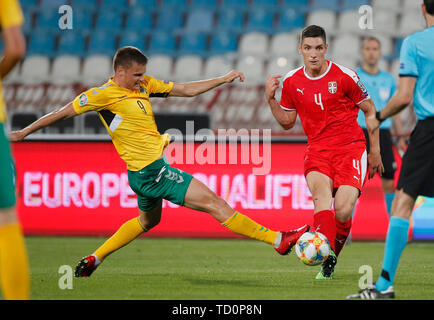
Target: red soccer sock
[
  {"x": 343, "y": 229},
  {"x": 324, "y": 222}
]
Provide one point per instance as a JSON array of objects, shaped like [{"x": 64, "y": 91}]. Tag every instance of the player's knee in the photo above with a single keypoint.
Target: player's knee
[
  {"x": 343, "y": 210},
  {"x": 149, "y": 222}
]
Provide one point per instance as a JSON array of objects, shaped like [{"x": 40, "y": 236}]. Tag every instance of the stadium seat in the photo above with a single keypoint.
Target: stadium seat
[
  {"x": 353, "y": 4},
  {"x": 14, "y": 75},
  {"x": 391, "y": 5},
  {"x": 234, "y": 3},
  {"x": 27, "y": 4},
  {"x": 135, "y": 39},
  {"x": 162, "y": 42},
  {"x": 217, "y": 66},
  {"x": 323, "y": 18},
  {"x": 102, "y": 42},
  {"x": 48, "y": 20},
  {"x": 386, "y": 44},
  {"x": 21, "y": 119},
  {"x": 83, "y": 20},
  {"x": 35, "y": 69},
  {"x": 119, "y": 4},
  {"x": 385, "y": 21},
  {"x": 93, "y": 124},
  {"x": 279, "y": 66},
  {"x": 264, "y": 3},
  {"x": 348, "y": 21},
  {"x": 253, "y": 43},
  {"x": 200, "y": 20},
  {"x": 169, "y": 20},
  {"x": 253, "y": 69},
  {"x": 66, "y": 126},
  {"x": 412, "y": 21},
  {"x": 231, "y": 19},
  {"x": 41, "y": 43},
  {"x": 299, "y": 4},
  {"x": 28, "y": 25},
  {"x": 188, "y": 67},
  {"x": 260, "y": 19},
  {"x": 290, "y": 18},
  {"x": 284, "y": 44},
  {"x": 174, "y": 3},
  {"x": 50, "y": 4},
  {"x": 97, "y": 69},
  {"x": 139, "y": 20},
  {"x": 349, "y": 62},
  {"x": 412, "y": 5},
  {"x": 84, "y": 4},
  {"x": 345, "y": 46},
  {"x": 223, "y": 42},
  {"x": 71, "y": 43},
  {"x": 65, "y": 69},
  {"x": 160, "y": 67},
  {"x": 193, "y": 43},
  {"x": 109, "y": 20},
  {"x": 324, "y": 4},
  {"x": 210, "y": 4},
  {"x": 397, "y": 47},
  {"x": 146, "y": 4}
]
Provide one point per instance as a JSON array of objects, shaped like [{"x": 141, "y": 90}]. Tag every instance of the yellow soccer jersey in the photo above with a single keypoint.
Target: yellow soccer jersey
[
  {"x": 129, "y": 118},
  {"x": 10, "y": 16}
]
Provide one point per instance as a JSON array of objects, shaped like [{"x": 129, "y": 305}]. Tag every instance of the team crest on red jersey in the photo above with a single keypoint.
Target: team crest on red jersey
[{"x": 333, "y": 87}]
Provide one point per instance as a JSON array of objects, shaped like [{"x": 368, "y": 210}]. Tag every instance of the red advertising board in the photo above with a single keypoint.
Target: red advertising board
[{"x": 81, "y": 188}]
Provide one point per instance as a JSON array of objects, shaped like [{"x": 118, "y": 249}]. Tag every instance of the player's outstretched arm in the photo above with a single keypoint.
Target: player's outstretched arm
[
  {"x": 285, "y": 118},
  {"x": 194, "y": 88},
  {"x": 372, "y": 126},
  {"x": 57, "y": 115}
]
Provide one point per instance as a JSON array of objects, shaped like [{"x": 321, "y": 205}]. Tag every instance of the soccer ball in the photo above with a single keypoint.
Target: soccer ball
[{"x": 312, "y": 248}]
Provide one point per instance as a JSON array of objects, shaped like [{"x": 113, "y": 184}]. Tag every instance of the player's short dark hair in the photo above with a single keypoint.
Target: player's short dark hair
[
  {"x": 313, "y": 31},
  {"x": 125, "y": 56},
  {"x": 429, "y": 5}
]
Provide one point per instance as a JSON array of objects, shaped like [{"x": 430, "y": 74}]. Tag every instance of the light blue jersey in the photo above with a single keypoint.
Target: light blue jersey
[
  {"x": 417, "y": 60},
  {"x": 381, "y": 87}
]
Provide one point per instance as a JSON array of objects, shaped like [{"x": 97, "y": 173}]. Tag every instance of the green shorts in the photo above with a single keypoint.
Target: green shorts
[
  {"x": 7, "y": 172},
  {"x": 158, "y": 181}
]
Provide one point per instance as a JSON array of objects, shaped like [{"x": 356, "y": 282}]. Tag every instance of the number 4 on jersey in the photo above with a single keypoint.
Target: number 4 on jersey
[{"x": 318, "y": 100}]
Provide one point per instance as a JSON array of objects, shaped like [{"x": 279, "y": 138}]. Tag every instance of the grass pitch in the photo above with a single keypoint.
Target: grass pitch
[{"x": 211, "y": 269}]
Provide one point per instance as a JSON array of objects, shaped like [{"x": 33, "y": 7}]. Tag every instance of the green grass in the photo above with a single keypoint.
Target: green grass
[{"x": 191, "y": 269}]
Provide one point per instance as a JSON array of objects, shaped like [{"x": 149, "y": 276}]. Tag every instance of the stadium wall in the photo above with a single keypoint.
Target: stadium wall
[{"x": 81, "y": 188}]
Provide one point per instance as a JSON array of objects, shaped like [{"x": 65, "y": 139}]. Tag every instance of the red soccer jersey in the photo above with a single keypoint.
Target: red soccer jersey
[{"x": 326, "y": 105}]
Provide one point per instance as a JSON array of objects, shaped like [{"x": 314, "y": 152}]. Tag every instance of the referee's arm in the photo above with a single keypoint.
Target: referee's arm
[{"x": 401, "y": 99}]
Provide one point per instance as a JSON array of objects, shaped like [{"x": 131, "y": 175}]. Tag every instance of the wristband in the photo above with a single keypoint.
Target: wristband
[{"x": 377, "y": 116}]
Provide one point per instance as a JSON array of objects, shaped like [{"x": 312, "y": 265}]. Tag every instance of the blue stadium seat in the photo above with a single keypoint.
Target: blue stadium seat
[
  {"x": 174, "y": 3},
  {"x": 121, "y": 4},
  {"x": 146, "y": 4},
  {"x": 223, "y": 42},
  {"x": 193, "y": 43},
  {"x": 109, "y": 20},
  {"x": 139, "y": 20},
  {"x": 325, "y": 4},
  {"x": 28, "y": 20},
  {"x": 82, "y": 19},
  {"x": 353, "y": 4},
  {"x": 51, "y": 4},
  {"x": 200, "y": 20},
  {"x": 162, "y": 42},
  {"x": 397, "y": 51},
  {"x": 231, "y": 19},
  {"x": 26, "y": 4},
  {"x": 290, "y": 18},
  {"x": 264, "y": 3},
  {"x": 235, "y": 3},
  {"x": 210, "y": 4},
  {"x": 41, "y": 42},
  {"x": 71, "y": 42},
  {"x": 48, "y": 20},
  {"x": 135, "y": 39},
  {"x": 102, "y": 42},
  {"x": 169, "y": 20},
  {"x": 260, "y": 19},
  {"x": 84, "y": 4}
]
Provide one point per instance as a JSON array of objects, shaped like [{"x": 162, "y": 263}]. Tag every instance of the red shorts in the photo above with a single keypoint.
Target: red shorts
[{"x": 345, "y": 166}]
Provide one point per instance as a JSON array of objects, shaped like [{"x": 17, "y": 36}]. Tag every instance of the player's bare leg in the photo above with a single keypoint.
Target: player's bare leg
[
  {"x": 200, "y": 197},
  {"x": 129, "y": 231}
]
